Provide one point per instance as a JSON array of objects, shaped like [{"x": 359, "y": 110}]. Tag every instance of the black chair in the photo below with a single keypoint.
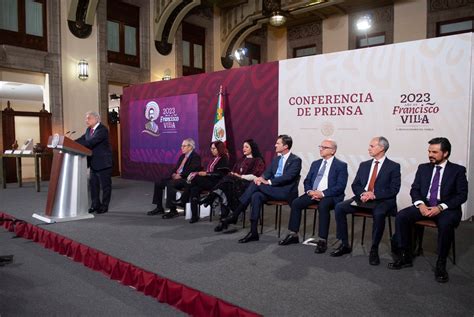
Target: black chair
[
  {"x": 365, "y": 213},
  {"x": 315, "y": 208},
  {"x": 421, "y": 224}
]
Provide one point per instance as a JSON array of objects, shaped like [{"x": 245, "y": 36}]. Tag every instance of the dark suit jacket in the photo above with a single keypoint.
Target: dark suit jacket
[
  {"x": 291, "y": 174},
  {"x": 387, "y": 184},
  {"x": 193, "y": 164},
  {"x": 99, "y": 144},
  {"x": 337, "y": 179},
  {"x": 453, "y": 190}
]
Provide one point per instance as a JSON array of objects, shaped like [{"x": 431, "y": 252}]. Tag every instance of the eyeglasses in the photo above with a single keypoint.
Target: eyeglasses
[{"x": 324, "y": 147}]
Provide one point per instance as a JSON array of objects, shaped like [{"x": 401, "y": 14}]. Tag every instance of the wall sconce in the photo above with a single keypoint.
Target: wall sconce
[
  {"x": 83, "y": 69},
  {"x": 364, "y": 23},
  {"x": 240, "y": 55},
  {"x": 166, "y": 74}
]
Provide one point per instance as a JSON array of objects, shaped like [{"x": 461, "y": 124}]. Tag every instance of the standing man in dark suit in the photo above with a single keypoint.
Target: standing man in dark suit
[
  {"x": 188, "y": 162},
  {"x": 375, "y": 187},
  {"x": 96, "y": 138},
  {"x": 324, "y": 185},
  {"x": 278, "y": 182},
  {"x": 438, "y": 191}
]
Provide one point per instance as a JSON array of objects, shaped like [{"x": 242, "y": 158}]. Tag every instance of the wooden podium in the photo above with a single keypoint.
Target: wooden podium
[{"x": 67, "y": 193}]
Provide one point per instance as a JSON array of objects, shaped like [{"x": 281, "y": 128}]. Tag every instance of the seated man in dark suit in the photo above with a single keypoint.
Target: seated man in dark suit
[
  {"x": 278, "y": 182},
  {"x": 188, "y": 162},
  {"x": 96, "y": 138},
  {"x": 375, "y": 187},
  {"x": 324, "y": 185},
  {"x": 438, "y": 191}
]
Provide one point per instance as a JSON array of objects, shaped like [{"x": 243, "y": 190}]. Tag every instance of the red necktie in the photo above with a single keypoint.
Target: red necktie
[
  {"x": 91, "y": 132},
  {"x": 373, "y": 177}
]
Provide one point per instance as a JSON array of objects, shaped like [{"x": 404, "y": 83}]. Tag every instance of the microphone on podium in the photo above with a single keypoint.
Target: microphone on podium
[
  {"x": 69, "y": 131},
  {"x": 72, "y": 132}
]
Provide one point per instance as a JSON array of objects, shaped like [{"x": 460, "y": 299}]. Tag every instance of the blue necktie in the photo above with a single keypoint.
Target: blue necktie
[
  {"x": 320, "y": 175},
  {"x": 435, "y": 187},
  {"x": 279, "y": 171}
]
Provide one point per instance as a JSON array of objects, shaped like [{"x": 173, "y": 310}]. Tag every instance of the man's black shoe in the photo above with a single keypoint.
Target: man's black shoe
[
  {"x": 403, "y": 261},
  {"x": 249, "y": 238},
  {"x": 321, "y": 246},
  {"x": 194, "y": 220},
  {"x": 92, "y": 210},
  {"x": 156, "y": 211},
  {"x": 289, "y": 239},
  {"x": 341, "y": 250},
  {"x": 374, "y": 258},
  {"x": 441, "y": 275},
  {"x": 102, "y": 210},
  {"x": 170, "y": 215}
]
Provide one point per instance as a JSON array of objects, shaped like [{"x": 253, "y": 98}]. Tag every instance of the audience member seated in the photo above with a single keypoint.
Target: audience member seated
[
  {"x": 324, "y": 186},
  {"x": 375, "y": 187},
  {"x": 188, "y": 162},
  {"x": 438, "y": 191},
  {"x": 217, "y": 168},
  {"x": 227, "y": 192},
  {"x": 278, "y": 182}
]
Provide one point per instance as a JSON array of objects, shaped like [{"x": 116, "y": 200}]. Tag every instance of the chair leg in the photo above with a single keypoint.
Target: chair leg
[
  {"x": 314, "y": 221},
  {"x": 304, "y": 224},
  {"x": 363, "y": 231},
  {"x": 454, "y": 249},
  {"x": 276, "y": 216},
  {"x": 243, "y": 220},
  {"x": 279, "y": 220},
  {"x": 261, "y": 220},
  {"x": 352, "y": 231}
]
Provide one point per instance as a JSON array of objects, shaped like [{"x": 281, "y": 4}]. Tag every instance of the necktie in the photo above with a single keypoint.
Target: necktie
[
  {"x": 279, "y": 171},
  {"x": 373, "y": 177},
  {"x": 320, "y": 175},
  {"x": 91, "y": 132},
  {"x": 181, "y": 166},
  {"x": 435, "y": 187}
]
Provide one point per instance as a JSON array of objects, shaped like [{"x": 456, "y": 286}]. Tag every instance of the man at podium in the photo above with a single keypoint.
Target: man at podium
[{"x": 96, "y": 138}]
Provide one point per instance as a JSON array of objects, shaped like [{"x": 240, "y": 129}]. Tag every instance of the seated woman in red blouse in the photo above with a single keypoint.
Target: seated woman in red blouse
[
  {"x": 227, "y": 192},
  {"x": 206, "y": 180}
]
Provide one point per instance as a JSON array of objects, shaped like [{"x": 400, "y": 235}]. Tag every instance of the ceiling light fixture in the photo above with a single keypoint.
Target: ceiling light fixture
[{"x": 277, "y": 19}]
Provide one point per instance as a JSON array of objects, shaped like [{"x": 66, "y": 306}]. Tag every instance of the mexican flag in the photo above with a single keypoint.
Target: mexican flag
[{"x": 218, "y": 133}]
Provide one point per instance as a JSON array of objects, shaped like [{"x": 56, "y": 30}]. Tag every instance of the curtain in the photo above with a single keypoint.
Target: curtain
[
  {"x": 34, "y": 18},
  {"x": 113, "y": 36},
  {"x": 130, "y": 40},
  {"x": 9, "y": 15}
]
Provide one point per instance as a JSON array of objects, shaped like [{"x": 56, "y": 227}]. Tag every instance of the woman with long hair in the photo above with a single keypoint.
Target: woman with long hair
[
  {"x": 205, "y": 180},
  {"x": 227, "y": 192}
]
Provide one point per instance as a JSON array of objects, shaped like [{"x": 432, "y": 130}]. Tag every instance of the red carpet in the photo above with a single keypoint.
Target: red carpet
[{"x": 184, "y": 298}]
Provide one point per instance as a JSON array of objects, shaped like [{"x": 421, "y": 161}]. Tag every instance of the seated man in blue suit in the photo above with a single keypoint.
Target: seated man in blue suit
[
  {"x": 324, "y": 185},
  {"x": 375, "y": 187},
  {"x": 438, "y": 191},
  {"x": 278, "y": 182}
]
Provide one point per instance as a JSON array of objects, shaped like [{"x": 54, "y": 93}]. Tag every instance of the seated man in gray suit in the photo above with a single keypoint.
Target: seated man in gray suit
[
  {"x": 278, "y": 182},
  {"x": 324, "y": 185}
]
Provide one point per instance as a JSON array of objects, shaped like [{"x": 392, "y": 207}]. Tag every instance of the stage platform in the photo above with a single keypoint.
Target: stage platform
[{"x": 262, "y": 277}]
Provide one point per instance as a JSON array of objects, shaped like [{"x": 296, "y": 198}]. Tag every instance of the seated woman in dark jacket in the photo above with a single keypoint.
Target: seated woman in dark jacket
[
  {"x": 206, "y": 180},
  {"x": 227, "y": 192}
]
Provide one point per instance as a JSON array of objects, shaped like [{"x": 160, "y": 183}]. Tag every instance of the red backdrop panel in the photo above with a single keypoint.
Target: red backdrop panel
[{"x": 250, "y": 107}]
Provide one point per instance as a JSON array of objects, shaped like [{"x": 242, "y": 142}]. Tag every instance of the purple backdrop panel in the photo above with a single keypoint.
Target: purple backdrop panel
[
  {"x": 158, "y": 126},
  {"x": 250, "y": 111}
]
